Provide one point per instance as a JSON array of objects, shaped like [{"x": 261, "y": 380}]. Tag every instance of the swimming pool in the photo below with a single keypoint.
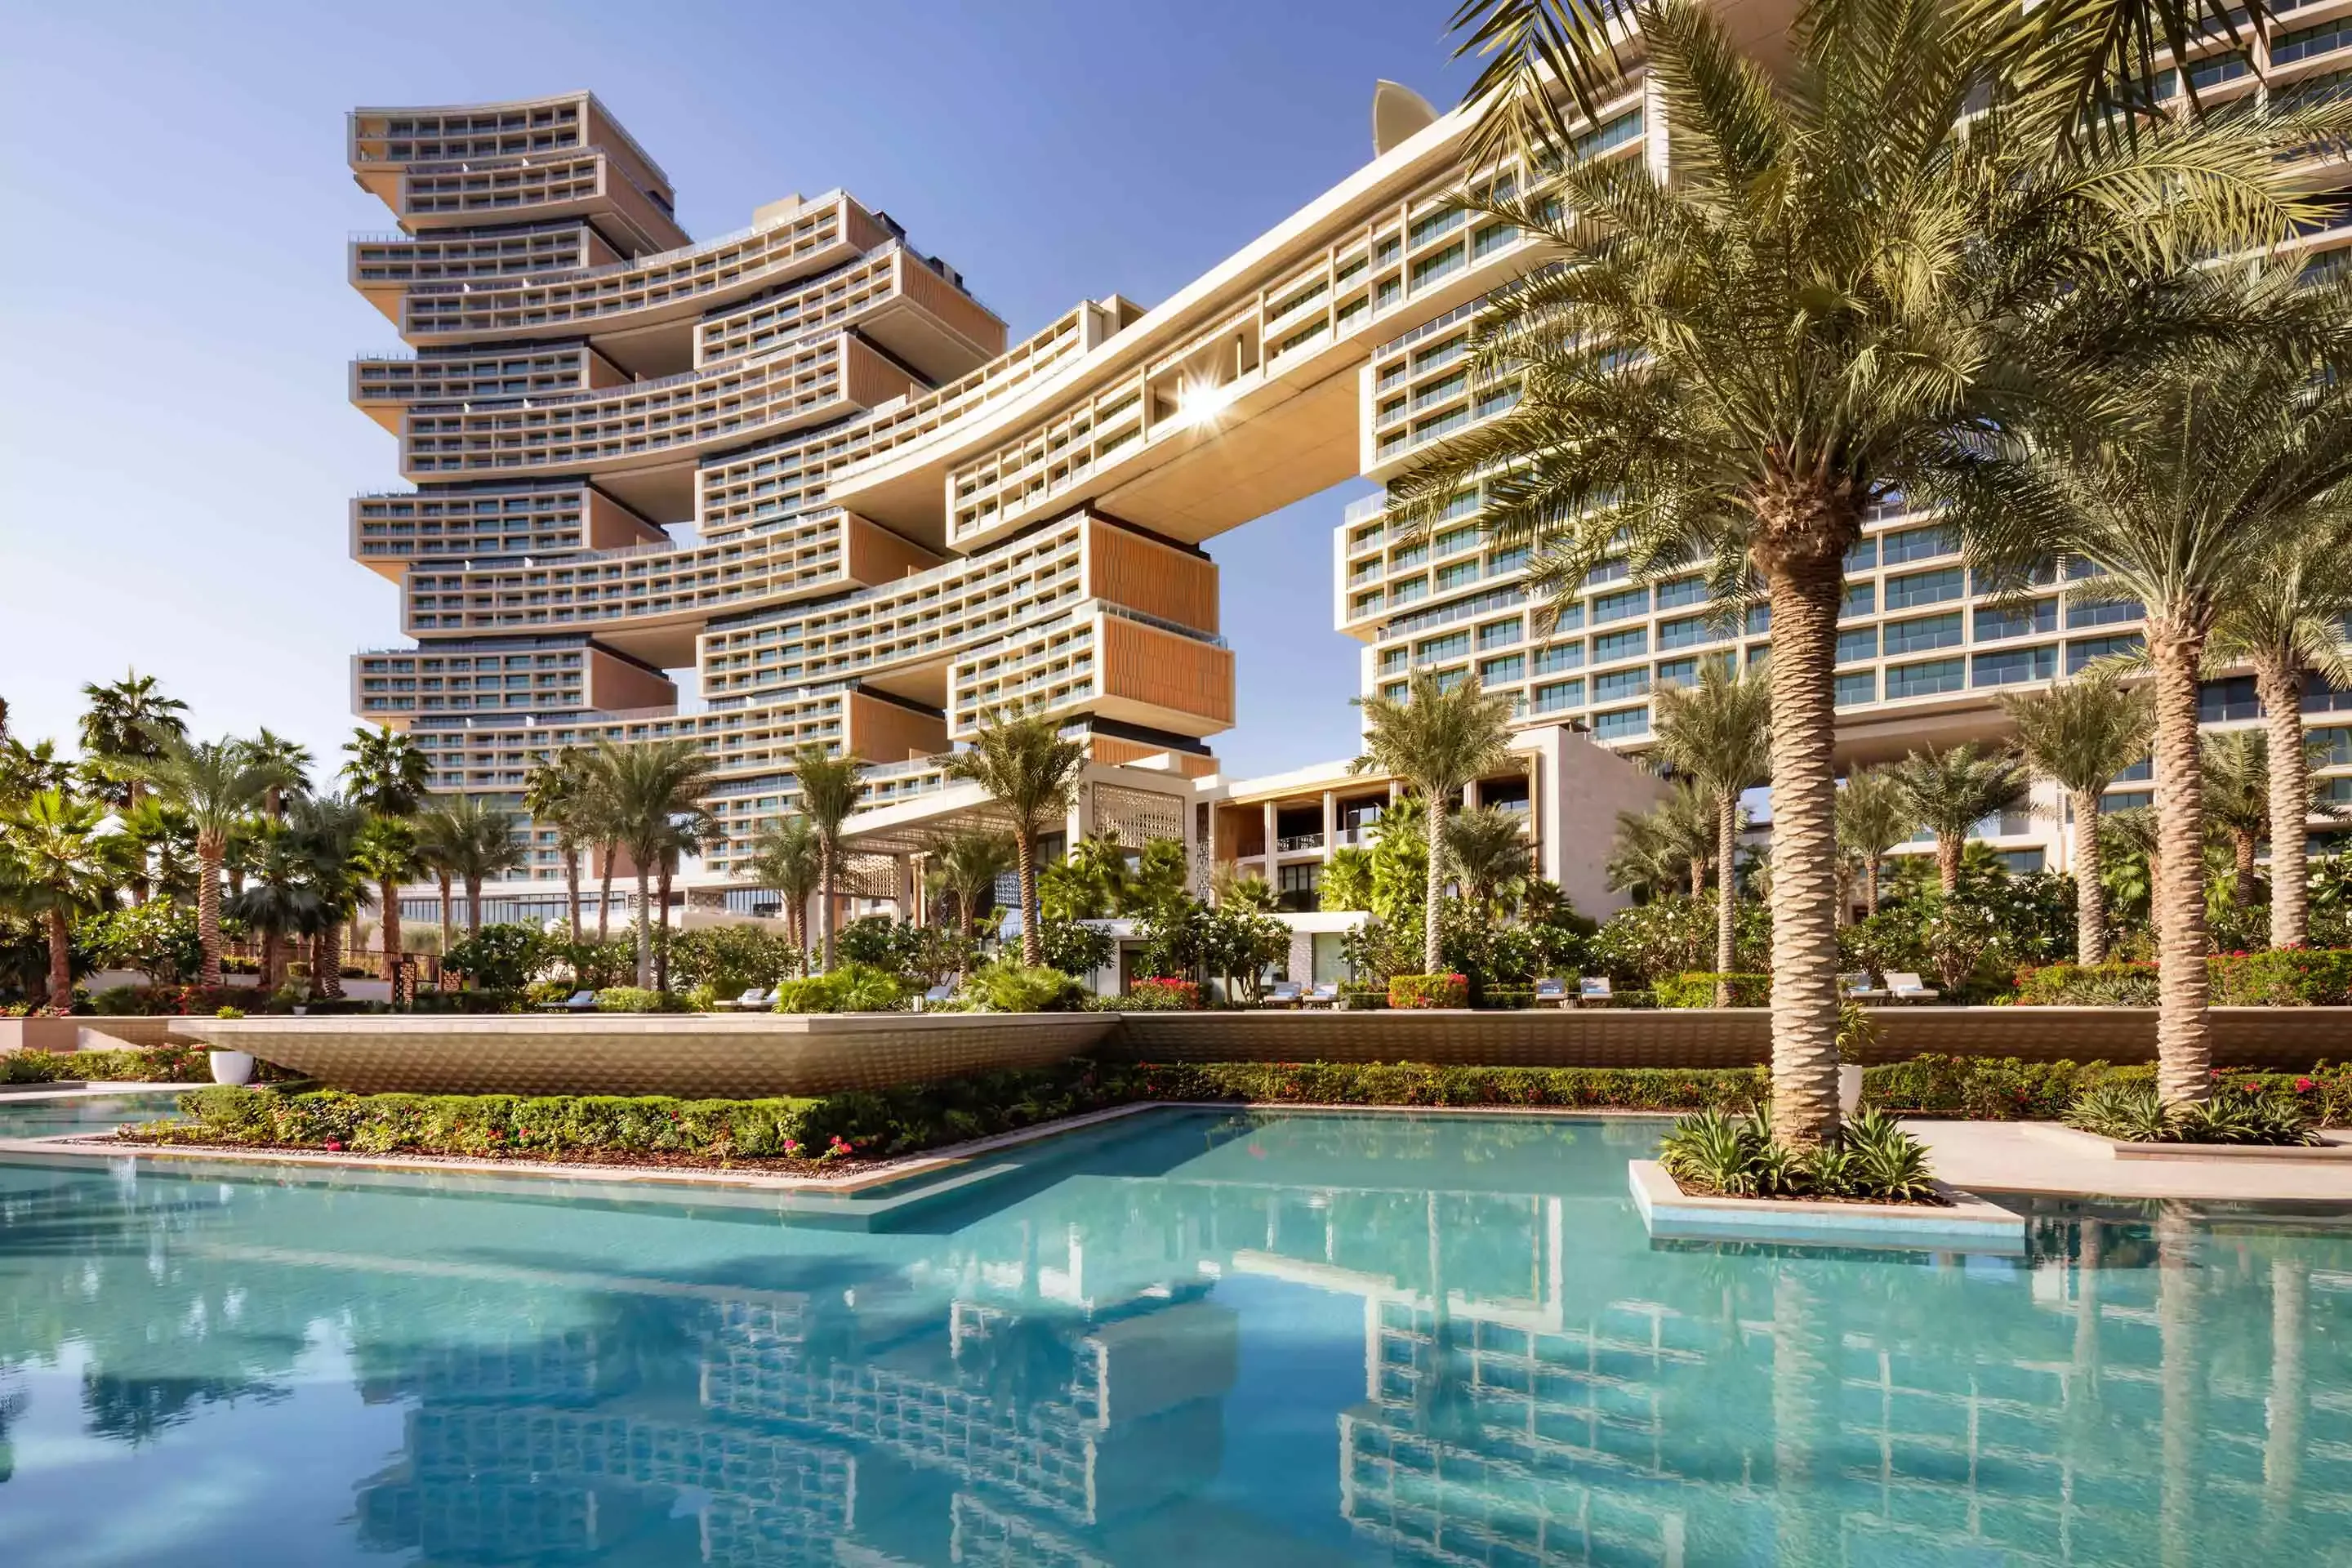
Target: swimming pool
[{"x": 1186, "y": 1336}]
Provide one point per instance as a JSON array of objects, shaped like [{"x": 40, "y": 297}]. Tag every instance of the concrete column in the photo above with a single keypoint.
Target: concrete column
[
  {"x": 911, "y": 890},
  {"x": 1301, "y": 964},
  {"x": 1270, "y": 819},
  {"x": 1330, "y": 822},
  {"x": 1470, "y": 796}
]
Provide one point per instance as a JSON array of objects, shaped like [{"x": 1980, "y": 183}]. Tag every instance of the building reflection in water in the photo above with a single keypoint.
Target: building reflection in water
[{"x": 1049, "y": 1382}]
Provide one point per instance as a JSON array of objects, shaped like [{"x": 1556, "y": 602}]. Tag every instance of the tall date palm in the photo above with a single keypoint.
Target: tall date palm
[
  {"x": 1719, "y": 732},
  {"x": 1031, "y": 770},
  {"x": 646, "y": 787},
  {"x": 2079, "y": 735},
  {"x": 1825, "y": 304},
  {"x": 1439, "y": 739}
]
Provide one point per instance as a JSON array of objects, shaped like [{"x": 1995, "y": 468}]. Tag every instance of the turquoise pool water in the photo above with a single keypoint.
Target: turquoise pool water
[{"x": 1185, "y": 1338}]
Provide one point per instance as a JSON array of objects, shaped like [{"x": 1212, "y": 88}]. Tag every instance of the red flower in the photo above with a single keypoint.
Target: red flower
[
  {"x": 2303, "y": 1085},
  {"x": 334, "y": 1145}
]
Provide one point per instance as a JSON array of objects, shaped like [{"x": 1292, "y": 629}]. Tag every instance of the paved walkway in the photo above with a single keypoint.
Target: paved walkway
[{"x": 2011, "y": 1157}]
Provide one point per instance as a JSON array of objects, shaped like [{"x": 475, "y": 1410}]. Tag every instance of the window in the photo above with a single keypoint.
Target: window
[
  {"x": 1992, "y": 625},
  {"x": 1678, "y": 672},
  {"x": 1681, "y": 591},
  {"x": 1858, "y": 645},
  {"x": 1455, "y": 575},
  {"x": 1498, "y": 634},
  {"x": 2219, "y": 700},
  {"x": 1617, "y": 607},
  {"x": 2126, "y": 800},
  {"x": 1690, "y": 631},
  {"x": 2083, "y": 650},
  {"x": 1392, "y": 659},
  {"x": 1620, "y": 684},
  {"x": 2080, "y": 613},
  {"x": 2012, "y": 664},
  {"x": 1560, "y": 656},
  {"x": 1365, "y": 604},
  {"x": 1861, "y": 599},
  {"x": 1625, "y": 721},
  {"x": 1929, "y": 679},
  {"x": 1408, "y": 555},
  {"x": 1859, "y": 687},
  {"x": 1760, "y": 619},
  {"x": 1436, "y": 648},
  {"x": 1862, "y": 556},
  {"x": 1430, "y": 269},
  {"x": 1924, "y": 588},
  {"x": 1919, "y": 544},
  {"x": 1560, "y": 694},
  {"x": 1455, "y": 539},
  {"x": 1620, "y": 644},
  {"x": 2021, "y": 862},
  {"x": 1758, "y": 653},
  {"x": 2141, "y": 770},
  {"x": 1919, "y": 635},
  {"x": 1504, "y": 670}
]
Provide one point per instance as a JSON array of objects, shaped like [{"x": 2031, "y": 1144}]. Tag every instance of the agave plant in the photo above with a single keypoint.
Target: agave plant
[
  {"x": 1713, "y": 1153},
  {"x": 2128, "y": 1112},
  {"x": 1888, "y": 1162}
]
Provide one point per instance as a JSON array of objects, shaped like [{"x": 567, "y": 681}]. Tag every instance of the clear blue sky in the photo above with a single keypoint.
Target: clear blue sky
[{"x": 176, "y": 456}]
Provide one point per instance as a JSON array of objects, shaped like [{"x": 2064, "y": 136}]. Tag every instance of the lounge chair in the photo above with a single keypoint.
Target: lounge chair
[
  {"x": 1856, "y": 988},
  {"x": 758, "y": 999},
  {"x": 1283, "y": 994},
  {"x": 1592, "y": 991},
  {"x": 1325, "y": 994},
  {"x": 934, "y": 996},
  {"x": 578, "y": 1002},
  {"x": 1907, "y": 988},
  {"x": 1552, "y": 993}
]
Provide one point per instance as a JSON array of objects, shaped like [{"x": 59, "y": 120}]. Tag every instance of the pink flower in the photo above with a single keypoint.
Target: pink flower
[
  {"x": 2303, "y": 1085},
  {"x": 334, "y": 1145}
]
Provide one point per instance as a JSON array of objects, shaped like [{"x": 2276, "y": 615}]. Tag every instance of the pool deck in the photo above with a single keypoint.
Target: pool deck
[{"x": 2022, "y": 1157}]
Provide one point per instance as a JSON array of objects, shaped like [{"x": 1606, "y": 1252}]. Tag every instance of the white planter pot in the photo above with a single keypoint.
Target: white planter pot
[
  {"x": 1849, "y": 1089},
  {"x": 232, "y": 1066}
]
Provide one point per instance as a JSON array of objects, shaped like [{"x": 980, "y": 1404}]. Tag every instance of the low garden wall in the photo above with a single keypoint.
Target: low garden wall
[
  {"x": 692, "y": 1056},
  {"x": 98, "y": 1033}
]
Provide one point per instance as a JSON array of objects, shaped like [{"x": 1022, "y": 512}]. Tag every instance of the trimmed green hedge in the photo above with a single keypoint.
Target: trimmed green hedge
[
  {"x": 1981, "y": 1089},
  {"x": 1429, "y": 991},
  {"x": 1697, "y": 989},
  {"x": 164, "y": 1064},
  {"x": 2285, "y": 977}
]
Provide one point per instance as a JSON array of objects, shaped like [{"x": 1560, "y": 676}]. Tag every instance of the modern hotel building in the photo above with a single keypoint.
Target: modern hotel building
[{"x": 802, "y": 461}]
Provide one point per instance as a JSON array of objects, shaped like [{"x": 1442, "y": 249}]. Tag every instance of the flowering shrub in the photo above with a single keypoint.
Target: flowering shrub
[
  {"x": 2285, "y": 977},
  {"x": 1161, "y": 996},
  {"x": 636, "y": 999},
  {"x": 1984, "y": 1089},
  {"x": 1697, "y": 989},
  {"x": 164, "y": 1064},
  {"x": 1429, "y": 991},
  {"x": 2078, "y": 985}
]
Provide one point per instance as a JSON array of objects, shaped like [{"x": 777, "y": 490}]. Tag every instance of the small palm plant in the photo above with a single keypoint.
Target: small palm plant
[
  {"x": 965, "y": 866},
  {"x": 1872, "y": 818},
  {"x": 1489, "y": 852},
  {"x": 784, "y": 859},
  {"x": 2079, "y": 736},
  {"x": 556, "y": 795},
  {"x": 2236, "y": 765},
  {"x": 1659, "y": 851},
  {"x": 1440, "y": 739},
  {"x": 218, "y": 786},
  {"x": 56, "y": 866},
  {"x": 828, "y": 790},
  {"x": 646, "y": 787}
]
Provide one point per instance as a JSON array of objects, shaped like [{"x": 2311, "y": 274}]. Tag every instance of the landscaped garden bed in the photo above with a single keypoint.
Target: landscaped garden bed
[{"x": 161, "y": 1063}]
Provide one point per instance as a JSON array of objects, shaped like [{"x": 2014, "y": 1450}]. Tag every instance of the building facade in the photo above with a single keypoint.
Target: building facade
[{"x": 802, "y": 462}]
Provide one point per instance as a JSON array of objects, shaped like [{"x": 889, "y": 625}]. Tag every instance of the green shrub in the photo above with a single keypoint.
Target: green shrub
[
  {"x": 469, "y": 1002},
  {"x": 1734, "y": 1156},
  {"x": 1363, "y": 999},
  {"x": 851, "y": 988},
  {"x": 2080, "y": 985},
  {"x": 165, "y": 1064},
  {"x": 1161, "y": 994},
  {"x": 1429, "y": 991},
  {"x": 1008, "y": 985},
  {"x": 2238, "y": 1112},
  {"x": 2282, "y": 977},
  {"x": 1697, "y": 989},
  {"x": 636, "y": 999},
  {"x": 499, "y": 957},
  {"x": 1508, "y": 999}
]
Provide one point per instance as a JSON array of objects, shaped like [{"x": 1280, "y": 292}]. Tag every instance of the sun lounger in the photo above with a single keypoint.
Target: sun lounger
[
  {"x": 1856, "y": 988},
  {"x": 1282, "y": 994},
  {"x": 1907, "y": 988},
  {"x": 1326, "y": 995},
  {"x": 758, "y": 999},
  {"x": 1552, "y": 993},
  {"x": 578, "y": 1002},
  {"x": 1592, "y": 991},
  {"x": 935, "y": 996}
]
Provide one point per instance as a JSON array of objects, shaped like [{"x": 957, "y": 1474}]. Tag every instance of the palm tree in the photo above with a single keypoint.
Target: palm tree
[
  {"x": 556, "y": 795},
  {"x": 486, "y": 849},
  {"x": 127, "y": 726},
  {"x": 58, "y": 864},
  {"x": 386, "y": 853},
  {"x": 1872, "y": 819},
  {"x": 2175, "y": 484},
  {"x": 1440, "y": 740},
  {"x": 967, "y": 864},
  {"x": 646, "y": 787},
  {"x": 326, "y": 830},
  {"x": 441, "y": 838},
  {"x": 26, "y": 771},
  {"x": 2288, "y": 622},
  {"x": 1732, "y": 366},
  {"x": 785, "y": 857},
  {"x": 159, "y": 838},
  {"x": 828, "y": 792},
  {"x": 2237, "y": 783},
  {"x": 1031, "y": 771},
  {"x": 216, "y": 783},
  {"x": 1719, "y": 732},
  {"x": 1487, "y": 849},
  {"x": 1949, "y": 792},
  {"x": 688, "y": 832},
  {"x": 388, "y": 772},
  {"x": 289, "y": 763},
  {"x": 281, "y": 900},
  {"x": 1668, "y": 846},
  {"x": 2079, "y": 736}
]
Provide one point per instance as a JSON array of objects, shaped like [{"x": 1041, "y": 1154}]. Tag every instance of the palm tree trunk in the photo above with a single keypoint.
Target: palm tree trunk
[
  {"x": 1033, "y": 946},
  {"x": 1948, "y": 850},
  {"x": 572, "y": 886},
  {"x": 270, "y": 946},
  {"x": 473, "y": 906},
  {"x": 60, "y": 962},
  {"x": 208, "y": 909},
  {"x": 2244, "y": 849},
  {"x": 1727, "y": 830},
  {"x": 645, "y": 931},
  {"x": 392, "y": 936},
  {"x": 2281, "y": 687},
  {"x": 1805, "y": 596},
  {"x": 1870, "y": 884},
  {"x": 604, "y": 900},
  {"x": 661, "y": 948},
  {"x": 2184, "y": 1029},
  {"x": 1697, "y": 879},
  {"x": 1436, "y": 890},
  {"x": 327, "y": 960},
  {"x": 2090, "y": 892},
  {"x": 824, "y": 876}
]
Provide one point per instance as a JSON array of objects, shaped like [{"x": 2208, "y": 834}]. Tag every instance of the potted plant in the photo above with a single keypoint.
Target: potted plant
[{"x": 233, "y": 1068}]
